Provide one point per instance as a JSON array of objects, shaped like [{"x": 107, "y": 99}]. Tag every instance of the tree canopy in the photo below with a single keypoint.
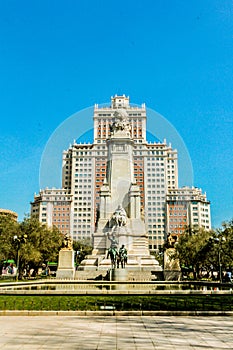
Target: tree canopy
[
  {"x": 29, "y": 242},
  {"x": 200, "y": 250}
]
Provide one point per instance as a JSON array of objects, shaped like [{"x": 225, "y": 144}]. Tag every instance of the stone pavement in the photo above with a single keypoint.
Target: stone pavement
[{"x": 115, "y": 332}]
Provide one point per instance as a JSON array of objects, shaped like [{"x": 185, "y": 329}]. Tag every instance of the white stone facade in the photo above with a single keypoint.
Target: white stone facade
[{"x": 155, "y": 168}]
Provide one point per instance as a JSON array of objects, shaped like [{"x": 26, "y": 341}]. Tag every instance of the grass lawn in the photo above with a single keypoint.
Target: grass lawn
[{"x": 119, "y": 302}]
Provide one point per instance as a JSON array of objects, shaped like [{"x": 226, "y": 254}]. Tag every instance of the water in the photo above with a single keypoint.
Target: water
[{"x": 114, "y": 286}]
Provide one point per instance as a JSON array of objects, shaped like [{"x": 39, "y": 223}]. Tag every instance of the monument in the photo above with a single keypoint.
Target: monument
[
  {"x": 66, "y": 269},
  {"x": 120, "y": 222},
  {"x": 172, "y": 270}
]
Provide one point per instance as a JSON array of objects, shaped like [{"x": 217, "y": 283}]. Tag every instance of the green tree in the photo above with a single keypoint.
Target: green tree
[
  {"x": 206, "y": 250},
  {"x": 8, "y": 229},
  {"x": 41, "y": 244},
  {"x": 194, "y": 250},
  {"x": 225, "y": 244}
]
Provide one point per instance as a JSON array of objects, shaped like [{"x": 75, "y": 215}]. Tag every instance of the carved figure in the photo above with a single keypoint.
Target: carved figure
[
  {"x": 67, "y": 242},
  {"x": 121, "y": 121},
  {"x": 122, "y": 256},
  {"x": 112, "y": 251},
  {"x": 172, "y": 240},
  {"x": 120, "y": 216},
  {"x": 114, "y": 243}
]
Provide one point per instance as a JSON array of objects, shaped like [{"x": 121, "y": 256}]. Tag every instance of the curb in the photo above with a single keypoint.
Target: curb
[{"x": 113, "y": 313}]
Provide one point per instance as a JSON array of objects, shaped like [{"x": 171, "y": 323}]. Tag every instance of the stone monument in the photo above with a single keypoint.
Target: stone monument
[
  {"x": 66, "y": 269},
  {"x": 172, "y": 271},
  {"x": 120, "y": 208}
]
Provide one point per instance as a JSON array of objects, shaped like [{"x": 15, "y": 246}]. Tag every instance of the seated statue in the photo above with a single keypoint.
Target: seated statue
[{"x": 120, "y": 216}]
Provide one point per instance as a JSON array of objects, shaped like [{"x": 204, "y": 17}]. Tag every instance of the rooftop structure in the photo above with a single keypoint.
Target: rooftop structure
[{"x": 9, "y": 213}]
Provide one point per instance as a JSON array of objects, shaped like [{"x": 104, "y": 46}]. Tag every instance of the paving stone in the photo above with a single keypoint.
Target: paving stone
[{"x": 115, "y": 332}]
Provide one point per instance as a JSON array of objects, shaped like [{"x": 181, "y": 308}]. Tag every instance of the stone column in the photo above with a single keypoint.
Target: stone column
[
  {"x": 120, "y": 169},
  {"x": 104, "y": 201},
  {"x": 135, "y": 204}
]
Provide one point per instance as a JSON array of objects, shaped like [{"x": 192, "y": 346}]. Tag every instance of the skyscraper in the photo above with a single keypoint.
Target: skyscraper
[{"x": 84, "y": 167}]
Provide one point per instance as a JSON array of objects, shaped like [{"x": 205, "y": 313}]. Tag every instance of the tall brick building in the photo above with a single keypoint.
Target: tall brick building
[{"x": 84, "y": 171}]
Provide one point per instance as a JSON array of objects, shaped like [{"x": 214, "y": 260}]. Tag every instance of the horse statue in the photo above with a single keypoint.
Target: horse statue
[
  {"x": 122, "y": 257},
  {"x": 120, "y": 216},
  {"x": 112, "y": 253}
]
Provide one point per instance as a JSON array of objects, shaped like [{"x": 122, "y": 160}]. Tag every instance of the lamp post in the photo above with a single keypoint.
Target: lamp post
[
  {"x": 19, "y": 240},
  {"x": 219, "y": 242}
]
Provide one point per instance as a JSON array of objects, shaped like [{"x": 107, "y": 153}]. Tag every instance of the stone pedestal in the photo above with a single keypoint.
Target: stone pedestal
[
  {"x": 66, "y": 267},
  {"x": 172, "y": 271},
  {"x": 119, "y": 275}
]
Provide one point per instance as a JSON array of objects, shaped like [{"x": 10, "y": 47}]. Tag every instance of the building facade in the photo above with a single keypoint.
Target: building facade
[
  {"x": 187, "y": 207},
  {"x": 53, "y": 207},
  {"x": 84, "y": 167},
  {"x": 9, "y": 213}
]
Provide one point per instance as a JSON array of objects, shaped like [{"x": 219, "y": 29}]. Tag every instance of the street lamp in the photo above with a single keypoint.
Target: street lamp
[
  {"x": 19, "y": 240},
  {"x": 219, "y": 242}
]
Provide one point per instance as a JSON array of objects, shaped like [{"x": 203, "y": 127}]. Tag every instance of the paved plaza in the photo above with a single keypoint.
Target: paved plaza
[{"x": 115, "y": 332}]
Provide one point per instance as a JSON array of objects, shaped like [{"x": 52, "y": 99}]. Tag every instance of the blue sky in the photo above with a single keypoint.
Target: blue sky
[{"x": 59, "y": 57}]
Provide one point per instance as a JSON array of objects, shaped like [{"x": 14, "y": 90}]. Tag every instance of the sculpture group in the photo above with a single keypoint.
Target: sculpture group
[
  {"x": 119, "y": 211},
  {"x": 121, "y": 122},
  {"x": 120, "y": 217},
  {"x": 118, "y": 258}
]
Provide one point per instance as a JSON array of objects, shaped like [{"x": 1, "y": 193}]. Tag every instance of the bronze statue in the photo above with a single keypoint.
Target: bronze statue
[
  {"x": 112, "y": 251},
  {"x": 122, "y": 256}
]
